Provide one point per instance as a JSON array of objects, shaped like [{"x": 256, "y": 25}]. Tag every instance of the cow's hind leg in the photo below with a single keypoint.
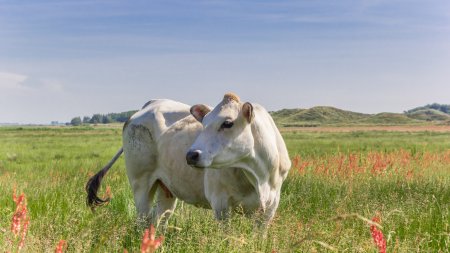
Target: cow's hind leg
[
  {"x": 140, "y": 159},
  {"x": 165, "y": 204},
  {"x": 143, "y": 193}
]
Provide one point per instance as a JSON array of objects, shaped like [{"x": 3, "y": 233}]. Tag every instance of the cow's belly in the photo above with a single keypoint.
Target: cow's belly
[{"x": 185, "y": 182}]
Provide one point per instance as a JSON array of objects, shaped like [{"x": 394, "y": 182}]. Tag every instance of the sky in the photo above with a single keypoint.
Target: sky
[{"x": 60, "y": 59}]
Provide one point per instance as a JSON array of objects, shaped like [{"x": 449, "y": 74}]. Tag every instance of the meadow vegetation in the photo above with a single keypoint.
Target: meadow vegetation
[{"x": 339, "y": 182}]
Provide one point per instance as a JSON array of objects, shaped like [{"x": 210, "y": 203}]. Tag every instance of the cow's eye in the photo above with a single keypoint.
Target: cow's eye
[{"x": 227, "y": 124}]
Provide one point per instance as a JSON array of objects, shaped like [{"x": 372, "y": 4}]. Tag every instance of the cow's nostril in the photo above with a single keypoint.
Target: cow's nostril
[{"x": 192, "y": 157}]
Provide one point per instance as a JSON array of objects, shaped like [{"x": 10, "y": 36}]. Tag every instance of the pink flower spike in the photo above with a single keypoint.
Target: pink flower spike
[
  {"x": 61, "y": 246},
  {"x": 377, "y": 236},
  {"x": 20, "y": 220},
  {"x": 149, "y": 243}
]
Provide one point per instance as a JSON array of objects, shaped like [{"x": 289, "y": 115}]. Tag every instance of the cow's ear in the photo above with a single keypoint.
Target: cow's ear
[
  {"x": 247, "y": 112},
  {"x": 199, "y": 111}
]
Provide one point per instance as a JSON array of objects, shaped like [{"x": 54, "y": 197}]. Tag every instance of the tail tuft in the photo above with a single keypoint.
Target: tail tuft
[{"x": 92, "y": 200}]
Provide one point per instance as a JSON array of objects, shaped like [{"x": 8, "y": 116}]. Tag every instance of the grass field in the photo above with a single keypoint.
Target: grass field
[{"x": 338, "y": 177}]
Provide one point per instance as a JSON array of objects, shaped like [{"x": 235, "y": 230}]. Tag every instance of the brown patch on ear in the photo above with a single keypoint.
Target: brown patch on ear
[
  {"x": 247, "y": 112},
  {"x": 199, "y": 111}
]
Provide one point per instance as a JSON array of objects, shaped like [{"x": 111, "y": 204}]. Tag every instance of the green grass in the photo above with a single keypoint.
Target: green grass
[
  {"x": 320, "y": 144},
  {"x": 52, "y": 165}
]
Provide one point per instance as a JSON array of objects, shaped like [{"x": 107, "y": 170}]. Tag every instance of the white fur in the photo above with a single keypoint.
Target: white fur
[{"x": 241, "y": 167}]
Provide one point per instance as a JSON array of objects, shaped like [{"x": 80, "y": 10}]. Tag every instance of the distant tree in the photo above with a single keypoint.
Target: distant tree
[
  {"x": 96, "y": 119},
  {"x": 106, "y": 119},
  {"x": 86, "y": 119},
  {"x": 76, "y": 121},
  {"x": 121, "y": 117}
]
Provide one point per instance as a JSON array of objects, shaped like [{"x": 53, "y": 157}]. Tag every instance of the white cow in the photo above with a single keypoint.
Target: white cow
[{"x": 231, "y": 157}]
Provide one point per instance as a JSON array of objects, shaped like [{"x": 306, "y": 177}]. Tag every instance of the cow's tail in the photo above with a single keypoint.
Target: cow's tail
[{"x": 94, "y": 182}]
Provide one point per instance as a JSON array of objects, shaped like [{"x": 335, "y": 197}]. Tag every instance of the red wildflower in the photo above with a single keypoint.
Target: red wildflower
[
  {"x": 61, "y": 246},
  {"x": 149, "y": 243},
  {"x": 377, "y": 236},
  {"x": 20, "y": 220}
]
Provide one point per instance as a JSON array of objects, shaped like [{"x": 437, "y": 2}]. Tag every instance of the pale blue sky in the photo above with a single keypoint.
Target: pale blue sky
[{"x": 60, "y": 59}]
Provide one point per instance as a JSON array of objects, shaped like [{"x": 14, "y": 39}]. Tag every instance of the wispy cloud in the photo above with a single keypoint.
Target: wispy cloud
[
  {"x": 25, "y": 98},
  {"x": 14, "y": 82}
]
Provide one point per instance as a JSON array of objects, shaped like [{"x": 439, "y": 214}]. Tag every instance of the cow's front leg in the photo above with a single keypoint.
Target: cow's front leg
[
  {"x": 267, "y": 213},
  {"x": 221, "y": 209},
  {"x": 217, "y": 193}
]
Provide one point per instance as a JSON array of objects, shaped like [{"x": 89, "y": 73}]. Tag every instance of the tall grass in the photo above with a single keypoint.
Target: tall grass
[{"x": 339, "y": 181}]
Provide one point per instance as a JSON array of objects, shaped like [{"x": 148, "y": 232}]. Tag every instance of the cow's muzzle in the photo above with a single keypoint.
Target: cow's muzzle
[{"x": 193, "y": 156}]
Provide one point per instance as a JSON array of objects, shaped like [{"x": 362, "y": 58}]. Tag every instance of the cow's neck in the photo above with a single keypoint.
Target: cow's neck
[{"x": 260, "y": 167}]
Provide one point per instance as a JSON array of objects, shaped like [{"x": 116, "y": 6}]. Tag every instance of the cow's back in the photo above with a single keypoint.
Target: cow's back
[
  {"x": 142, "y": 132},
  {"x": 159, "y": 114}
]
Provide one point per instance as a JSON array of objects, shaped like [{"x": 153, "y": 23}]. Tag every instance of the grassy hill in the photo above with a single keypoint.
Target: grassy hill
[
  {"x": 388, "y": 118},
  {"x": 318, "y": 115},
  {"x": 429, "y": 115},
  {"x": 326, "y": 115},
  {"x": 435, "y": 106}
]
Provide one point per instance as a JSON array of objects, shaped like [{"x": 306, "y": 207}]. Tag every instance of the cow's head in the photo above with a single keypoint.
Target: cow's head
[{"x": 226, "y": 137}]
